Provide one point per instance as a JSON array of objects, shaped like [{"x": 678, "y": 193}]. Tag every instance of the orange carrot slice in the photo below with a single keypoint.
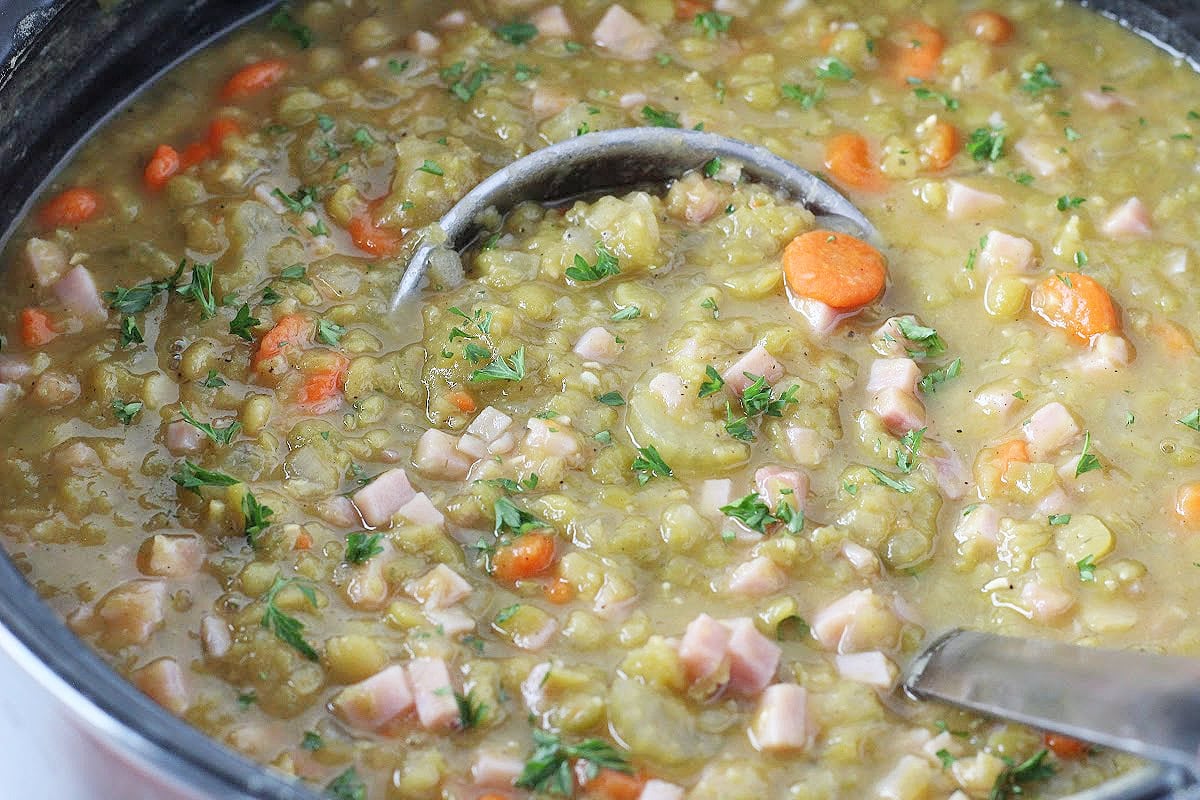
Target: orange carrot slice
[
  {"x": 834, "y": 268},
  {"x": 292, "y": 330},
  {"x": 322, "y": 391},
  {"x": 1075, "y": 303},
  {"x": 463, "y": 401},
  {"x": 37, "y": 328},
  {"x": 990, "y": 27},
  {"x": 1065, "y": 747},
  {"x": 941, "y": 145},
  {"x": 1187, "y": 505},
  {"x": 916, "y": 50},
  {"x": 370, "y": 238},
  {"x": 221, "y": 128},
  {"x": 71, "y": 207},
  {"x": 848, "y": 159},
  {"x": 162, "y": 167},
  {"x": 254, "y": 78},
  {"x": 528, "y": 555}
]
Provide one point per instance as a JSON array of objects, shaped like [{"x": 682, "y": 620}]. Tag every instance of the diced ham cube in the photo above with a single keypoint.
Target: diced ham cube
[
  {"x": 1130, "y": 219},
  {"x": 776, "y": 484},
  {"x": 782, "y": 721},
  {"x": 550, "y": 438},
  {"x": 183, "y": 439},
  {"x": 758, "y": 577},
  {"x": 714, "y": 493},
  {"x": 552, "y": 22},
  {"x": 894, "y": 373},
  {"x": 626, "y": 36},
  {"x": 807, "y": 447},
  {"x": 996, "y": 398},
  {"x": 472, "y": 446},
  {"x": 379, "y": 699},
  {"x": 339, "y": 511},
  {"x": 661, "y": 790},
  {"x": 547, "y": 101},
  {"x": 168, "y": 555},
  {"x": 1056, "y": 501},
  {"x": 441, "y": 587},
  {"x": 54, "y": 389},
  {"x": 495, "y": 770},
  {"x": 1105, "y": 101},
  {"x": 502, "y": 445},
  {"x": 47, "y": 261},
  {"x": 490, "y": 424},
  {"x": 437, "y": 456},
  {"x": 452, "y": 20},
  {"x": 670, "y": 388},
  {"x": 424, "y": 43},
  {"x": 76, "y": 456},
  {"x": 753, "y": 658},
  {"x": 1049, "y": 429},
  {"x": 899, "y": 410},
  {"x": 421, "y": 511},
  {"x": 597, "y": 344},
  {"x": 13, "y": 369},
  {"x": 131, "y": 613},
  {"x": 1044, "y": 157},
  {"x": 1109, "y": 352},
  {"x": 953, "y": 477},
  {"x": 860, "y": 620},
  {"x": 77, "y": 291},
  {"x": 889, "y": 341},
  {"x": 704, "y": 648},
  {"x": 384, "y": 496},
  {"x": 215, "y": 636},
  {"x": 872, "y": 668},
  {"x": 981, "y": 523},
  {"x": 162, "y": 680},
  {"x": 451, "y": 622},
  {"x": 695, "y": 199},
  {"x": 821, "y": 318},
  {"x": 1045, "y": 602},
  {"x": 864, "y": 561},
  {"x": 1003, "y": 252},
  {"x": 967, "y": 202},
  {"x": 436, "y": 707},
  {"x": 755, "y": 362},
  {"x": 368, "y": 588}
]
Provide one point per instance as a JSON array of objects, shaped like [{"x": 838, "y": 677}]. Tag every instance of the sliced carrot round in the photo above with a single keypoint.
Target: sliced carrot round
[
  {"x": 916, "y": 50},
  {"x": 528, "y": 555},
  {"x": 990, "y": 27},
  {"x": 221, "y": 128},
  {"x": 559, "y": 592},
  {"x": 1010, "y": 452},
  {"x": 687, "y": 10},
  {"x": 836, "y": 269},
  {"x": 1064, "y": 746},
  {"x": 37, "y": 328},
  {"x": 941, "y": 145},
  {"x": 322, "y": 390},
  {"x": 370, "y": 238},
  {"x": 1187, "y": 505},
  {"x": 848, "y": 159},
  {"x": 1075, "y": 303},
  {"x": 70, "y": 207},
  {"x": 254, "y": 78},
  {"x": 611, "y": 784},
  {"x": 163, "y": 165},
  {"x": 463, "y": 401},
  {"x": 290, "y": 331},
  {"x": 195, "y": 153}
]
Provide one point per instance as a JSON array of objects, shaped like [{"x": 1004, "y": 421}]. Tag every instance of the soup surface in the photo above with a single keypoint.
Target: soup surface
[{"x": 655, "y": 494}]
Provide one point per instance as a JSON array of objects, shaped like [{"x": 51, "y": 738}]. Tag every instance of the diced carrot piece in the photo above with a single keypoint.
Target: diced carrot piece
[
  {"x": 220, "y": 128},
  {"x": 1064, "y": 746},
  {"x": 370, "y": 238},
  {"x": 990, "y": 27},
  {"x": 1187, "y": 505},
  {"x": 835, "y": 268},
  {"x": 559, "y": 592},
  {"x": 195, "y": 153},
  {"x": 688, "y": 9},
  {"x": 1174, "y": 337},
  {"x": 162, "y": 167},
  {"x": 916, "y": 50},
  {"x": 37, "y": 328},
  {"x": 610, "y": 784},
  {"x": 322, "y": 391},
  {"x": 304, "y": 541},
  {"x": 463, "y": 401},
  {"x": 826, "y": 41},
  {"x": 494, "y": 796},
  {"x": 254, "y": 78},
  {"x": 848, "y": 159},
  {"x": 1010, "y": 452},
  {"x": 941, "y": 145},
  {"x": 292, "y": 330},
  {"x": 528, "y": 555},
  {"x": 1075, "y": 303},
  {"x": 70, "y": 207}
]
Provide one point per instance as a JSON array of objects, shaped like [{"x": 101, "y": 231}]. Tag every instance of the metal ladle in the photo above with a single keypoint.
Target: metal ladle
[{"x": 620, "y": 160}]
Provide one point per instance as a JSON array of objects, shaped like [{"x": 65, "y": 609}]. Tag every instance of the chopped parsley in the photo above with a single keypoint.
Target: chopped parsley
[
  {"x": 986, "y": 144},
  {"x": 937, "y": 377},
  {"x": 397, "y": 67},
  {"x": 312, "y": 741},
  {"x": 833, "y": 69},
  {"x": 932, "y": 344},
  {"x": 611, "y": 399},
  {"x": 753, "y": 512},
  {"x": 1080, "y": 258},
  {"x": 711, "y": 305},
  {"x": 628, "y": 312},
  {"x": 130, "y": 332},
  {"x": 431, "y": 167},
  {"x": 471, "y": 711},
  {"x": 910, "y": 446},
  {"x": 361, "y": 546},
  {"x": 1009, "y": 783},
  {"x": 757, "y": 398},
  {"x": 213, "y": 381},
  {"x": 1038, "y": 80},
  {"x": 715, "y": 383},
  {"x": 649, "y": 464},
  {"x": 712, "y": 23},
  {"x": 500, "y": 369},
  {"x": 1087, "y": 461},
  {"x": 200, "y": 290},
  {"x": 1192, "y": 420},
  {"x": 606, "y": 266},
  {"x": 517, "y": 33},
  {"x": 507, "y": 613},
  {"x": 1067, "y": 201},
  {"x": 737, "y": 427},
  {"x": 466, "y": 86},
  {"x": 660, "y": 119},
  {"x": 363, "y": 138},
  {"x": 243, "y": 323},
  {"x": 125, "y": 412},
  {"x": 886, "y": 480},
  {"x": 806, "y": 99},
  {"x": 296, "y": 272},
  {"x": 712, "y": 167},
  {"x": 946, "y": 100},
  {"x": 282, "y": 20},
  {"x": 524, "y": 72},
  {"x": 1059, "y": 519},
  {"x": 1074, "y": 135},
  {"x": 298, "y": 201},
  {"x": 329, "y": 333},
  {"x": 347, "y": 786},
  {"x": 516, "y": 520},
  {"x": 946, "y": 758},
  {"x": 548, "y": 768},
  {"x": 191, "y": 477},
  {"x": 221, "y": 436},
  {"x": 257, "y": 517},
  {"x": 288, "y": 629},
  {"x": 136, "y": 299}
]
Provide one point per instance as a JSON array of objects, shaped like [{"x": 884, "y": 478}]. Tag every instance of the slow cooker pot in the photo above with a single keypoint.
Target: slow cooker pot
[{"x": 64, "y": 68}]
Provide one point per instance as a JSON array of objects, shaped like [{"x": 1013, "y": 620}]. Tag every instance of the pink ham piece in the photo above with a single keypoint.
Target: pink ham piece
[
  {"x": 77, "y": 291},
  {"x": 552, "y": 22},
  {"x": 1131, "y": 219},
  {"x": 182, "y": 439},
  {"x": 704, "y": 648},
  {"x": 384, "y": 496},
  {"x": 421, "y": 511},
  {"x": 625, "y": 36},
  {"x": 1050, "y": 429},
  {"x": 495, "y": 770},
  {"x": 953, "y": 477},
  {"x": 894, "y": 373},
  {"x": 453, "y": 20},
  {"x": 755, "y": 362},
  {"x": 753, "y": 658},
  {"x": 215, "y": 636},
  {"x": 379, "y": 699},
  {"x": 1006, "y": 253},
  {"x": 169, "y": 555},
  {"x": 864, "y": 561},
  {"x": 982, "y": 523},
  {"x": 451, "y": 622},
  {"x": 860, "y": 620},
  {"x": 806, "y": 446},
  {"x": 821, "y": 318},
  {"x": 872, "y": 668},
  {"x": 162, "y": 680},
  {"x": 1046, "y": 603},
  {"x": 597, "y": 344},
  {"x": 76, "y": 456},
  {"x": 339, "y": 511},
  {"x": 434, "y": 695},
  {"x": 546, "y": 439},
  {"x": 893, "y": 387},
  {"x": 661, "y": 790},
  {"x": 967, "y": 202},
  {"x": 1045, "y": 157},
  {"x": 441, "y": 587},
  {"x": 424, "y": 43},
  {"x": 437, "y": 456},
  {"x": 758, "y": 577},
  {"x": 1105, "y": 101},
  {"x": 46, "y": 260},
  {"x": 714, "y": 493},
  {"x": 670, "y": 389},
  {"x": 131, "y": 613},
  {"x": 1109, "y": 352},
  {"x": 782, "y": 722},
  {"x": 776, "y": 484},
  {"x": 547, "y": 101},
  {"x": 490, "y": 425},
  {"x": 13, "y": 369}
]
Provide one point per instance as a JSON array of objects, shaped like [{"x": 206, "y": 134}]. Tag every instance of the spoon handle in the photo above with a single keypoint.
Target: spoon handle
[{"x": 1140, "y": 703}]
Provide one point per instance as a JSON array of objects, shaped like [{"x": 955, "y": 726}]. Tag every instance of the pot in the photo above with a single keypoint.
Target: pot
[{"x": 65, "y": 67}]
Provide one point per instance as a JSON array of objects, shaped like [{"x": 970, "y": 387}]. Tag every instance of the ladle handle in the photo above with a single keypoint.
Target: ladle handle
[{"x": 1139, "y": 703}]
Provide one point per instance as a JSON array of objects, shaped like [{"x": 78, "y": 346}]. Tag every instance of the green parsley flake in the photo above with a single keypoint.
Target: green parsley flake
[
  {"x": 125, "y": 412},
  {"x": 361, "y": 546},
  {"x": 660, "y": 119},
  {"x": 649, "y": 464}
]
